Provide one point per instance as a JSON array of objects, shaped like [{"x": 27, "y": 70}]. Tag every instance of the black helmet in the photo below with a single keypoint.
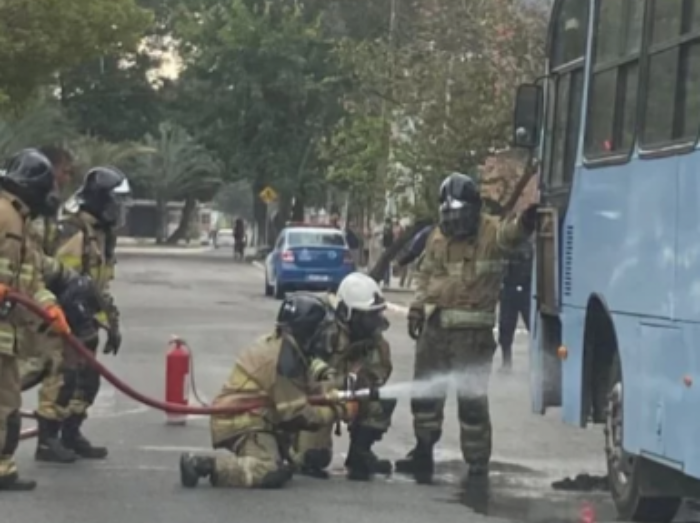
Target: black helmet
[
  {"x": 309, "y": 320},
  {"x": 30, "y": 177},
  {"x": 460, "y": 206},
  {"x": 102, "y": 195}
]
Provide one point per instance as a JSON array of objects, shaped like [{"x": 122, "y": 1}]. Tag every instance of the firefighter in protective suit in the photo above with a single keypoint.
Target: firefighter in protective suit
[
  {"x": 276, "y": 367},
  {"x": 452, "y": 317},
  {"x": 359, "y": 353},
  {"x": 27, "y": 191},
  {"x": 87, "y": 240}
]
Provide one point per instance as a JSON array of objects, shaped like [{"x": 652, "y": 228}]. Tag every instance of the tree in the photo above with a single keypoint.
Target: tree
[
  {"x": 174, "y": 167},
  {"x": 43, "y": 124},
  {"x": 38, "y": 38},
  {"x": 261, "y": 88}
]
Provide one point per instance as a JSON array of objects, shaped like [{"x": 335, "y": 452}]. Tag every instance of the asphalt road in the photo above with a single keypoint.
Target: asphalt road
[{"x": 219, "y": 307}]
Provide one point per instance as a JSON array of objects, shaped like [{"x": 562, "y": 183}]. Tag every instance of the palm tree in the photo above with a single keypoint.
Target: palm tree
[
  {"x": 177, "y": 168},
  {"x": 89, "y": 151},
  {"x": 44, "y": 124}
]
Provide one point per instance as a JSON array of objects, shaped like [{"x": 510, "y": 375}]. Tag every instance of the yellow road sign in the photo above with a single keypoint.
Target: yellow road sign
[{"x": 268, "y": 195}]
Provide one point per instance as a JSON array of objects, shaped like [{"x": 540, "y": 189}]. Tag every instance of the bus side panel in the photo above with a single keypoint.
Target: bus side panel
[
  {"x": 690, "y": 426},
  {"x": 687, "y": 291},
  {"x": 573, "y": 321},
  {"x": 623, "y": 224}
]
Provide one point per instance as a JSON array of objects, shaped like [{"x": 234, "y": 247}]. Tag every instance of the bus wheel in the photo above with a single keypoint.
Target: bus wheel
[{"x": 624, "y": 471}]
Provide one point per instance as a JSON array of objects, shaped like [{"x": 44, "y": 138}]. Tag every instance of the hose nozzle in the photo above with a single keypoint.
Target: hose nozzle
[{"x": 354, "y": 395}]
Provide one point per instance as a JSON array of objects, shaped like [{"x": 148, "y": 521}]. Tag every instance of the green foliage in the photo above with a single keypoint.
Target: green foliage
[
  {"x": 174, "y": 166},
  {"x": 260, "y": 88},
  {"x": 41, "y": 37},
  {"x": 112, "y": 97},
  {"x": 45, "y": 124}
]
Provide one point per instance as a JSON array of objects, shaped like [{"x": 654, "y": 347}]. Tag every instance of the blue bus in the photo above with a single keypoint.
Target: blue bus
[{"x": 613, "y": 126}]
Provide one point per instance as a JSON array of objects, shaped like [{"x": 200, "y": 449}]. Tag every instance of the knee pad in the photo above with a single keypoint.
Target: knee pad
[
  {"x": 89, "y": 384},
  {"x": 388, "y": 406},
  {"x": 474, "y": 411},
  {"x": 317, "y": 458},
  {"x": 70, "y": 382},
  {"x": 13, "y": 426}
]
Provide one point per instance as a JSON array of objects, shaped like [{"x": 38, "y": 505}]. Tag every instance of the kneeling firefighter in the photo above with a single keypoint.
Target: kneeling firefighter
[
  {"x": 359, "y": 353},
  {"x": 276, "y": 367},
  {"x": 27, "y": 191},
  {"x": 87, "y": 240}
]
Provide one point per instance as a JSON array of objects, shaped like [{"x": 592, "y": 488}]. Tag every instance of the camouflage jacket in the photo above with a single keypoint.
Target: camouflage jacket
[{"x": 461, "y": 278}]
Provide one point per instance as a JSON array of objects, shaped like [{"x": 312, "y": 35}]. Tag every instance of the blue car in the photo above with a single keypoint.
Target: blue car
[{"x": 307, "y": 258}]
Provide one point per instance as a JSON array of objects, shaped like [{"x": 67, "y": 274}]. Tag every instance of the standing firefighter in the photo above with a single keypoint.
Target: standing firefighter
[
  {"x": 28, "y": 190},
  {"x": 42, "y": 366},
  {"x": 88, "y": 241},
  {"x": 275, "y": 368},
  {"x": 360, "y": 353},
  {"x": 453, "y": 316}
]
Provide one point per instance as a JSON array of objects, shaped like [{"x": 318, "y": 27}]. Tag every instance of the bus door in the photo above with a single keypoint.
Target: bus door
[{"x": 558, "y": 127}]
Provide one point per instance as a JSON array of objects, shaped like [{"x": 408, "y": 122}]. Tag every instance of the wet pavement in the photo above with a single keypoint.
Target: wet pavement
[{"x": 218, "y": 307}]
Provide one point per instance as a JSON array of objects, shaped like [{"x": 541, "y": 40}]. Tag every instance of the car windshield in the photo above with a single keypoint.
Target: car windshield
[{"x": 315, "y": 239}]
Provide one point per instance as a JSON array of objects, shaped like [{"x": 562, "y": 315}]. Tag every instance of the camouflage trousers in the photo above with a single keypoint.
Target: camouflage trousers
[
  {"x": 253, "y": 456},
  {"x": 10, "y": 422},
  {"x": 315, "y": 449},
  {"x": 66, "y": 387},
  {"x": 463, "y": 358}
]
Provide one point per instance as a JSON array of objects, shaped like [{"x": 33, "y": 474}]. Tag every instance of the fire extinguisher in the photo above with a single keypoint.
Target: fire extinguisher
[{"x": 177, "y": 372}]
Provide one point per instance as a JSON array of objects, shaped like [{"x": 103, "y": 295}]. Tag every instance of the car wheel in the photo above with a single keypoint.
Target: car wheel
[
  {"x": 624, "y": 471},
  {"x": 279, "y": 290}
]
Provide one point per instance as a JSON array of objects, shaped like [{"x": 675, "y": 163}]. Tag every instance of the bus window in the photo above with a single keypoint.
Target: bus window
[
  {"x": 566, "y": 51},
  {"x": 612, "y": 105},
  {"x": 672, "y": 104}
]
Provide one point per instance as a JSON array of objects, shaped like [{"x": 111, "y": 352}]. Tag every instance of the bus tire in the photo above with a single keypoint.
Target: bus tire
[{"x": 624, "y": 470}]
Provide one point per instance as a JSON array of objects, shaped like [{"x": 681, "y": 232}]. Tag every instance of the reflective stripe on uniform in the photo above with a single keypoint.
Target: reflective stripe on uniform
[
  {"x": 456, "y": 318},
  {"x": 72, "y": 262},
  {"x": 102, "y": 317},
  {"x": 7, "y": 339},
  {"x": 489, "y": 266},
  {"x": 6, "y": 268},
  {"x": 45, "y": 297}
]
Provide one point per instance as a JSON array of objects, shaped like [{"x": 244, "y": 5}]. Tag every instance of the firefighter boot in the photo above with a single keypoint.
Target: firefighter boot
[
  {"x": 362, "y": 463},
  {"x": 419, "y": 463},
  {"x": 194, "y": 467},
  {"x": 49, "y": 447},
  {"x": 73, "y": 439},
  {"x": 12, "y": 482},
  {"x": 315, "y": 462}
]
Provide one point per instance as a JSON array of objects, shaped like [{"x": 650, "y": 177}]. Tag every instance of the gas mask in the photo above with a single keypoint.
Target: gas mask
[
  {"x": 459, "y": 219},
  {"x": 366, "y": 324}
]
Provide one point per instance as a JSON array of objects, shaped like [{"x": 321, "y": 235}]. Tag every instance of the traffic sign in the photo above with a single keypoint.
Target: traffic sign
[{"x": 268, "y": 195}]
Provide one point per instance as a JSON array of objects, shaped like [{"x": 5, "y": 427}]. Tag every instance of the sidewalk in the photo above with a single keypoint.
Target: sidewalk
[{"x": 148, "y": 246}]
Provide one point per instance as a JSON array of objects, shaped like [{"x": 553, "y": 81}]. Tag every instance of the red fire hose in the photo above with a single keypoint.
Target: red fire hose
[{"x": 243, "y": 406}]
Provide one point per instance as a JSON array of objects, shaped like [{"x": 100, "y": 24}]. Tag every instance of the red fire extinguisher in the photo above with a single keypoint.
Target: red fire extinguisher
[{"x": 177, "y": 371}]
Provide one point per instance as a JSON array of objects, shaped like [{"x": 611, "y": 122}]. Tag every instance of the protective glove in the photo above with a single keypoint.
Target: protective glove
[
  {"x": 114, "y": 341},
  {"x": 59, "y": 323},
  {"x": 416, "y": 319},
  {"x": 528, "y": 219}
]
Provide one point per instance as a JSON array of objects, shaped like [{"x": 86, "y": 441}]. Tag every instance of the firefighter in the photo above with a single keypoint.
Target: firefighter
[
  {"x": 27, "y": 191},
  {"x": 42, "y": 368},
  {"x": 452, "y": 317},
  {"x": 87, "y": 245},
  {"x": 276, "y": 367},
  {"x": 361, "y": 353}
]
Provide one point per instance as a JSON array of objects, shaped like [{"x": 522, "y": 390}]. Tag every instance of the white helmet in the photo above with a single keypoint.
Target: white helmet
[{"x": 359, "y": 292}]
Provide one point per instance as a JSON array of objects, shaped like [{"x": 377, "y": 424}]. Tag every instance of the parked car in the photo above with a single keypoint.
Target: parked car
[
  {"x": 223, "y": 238},
  {"x": 307, "y": 258}
]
